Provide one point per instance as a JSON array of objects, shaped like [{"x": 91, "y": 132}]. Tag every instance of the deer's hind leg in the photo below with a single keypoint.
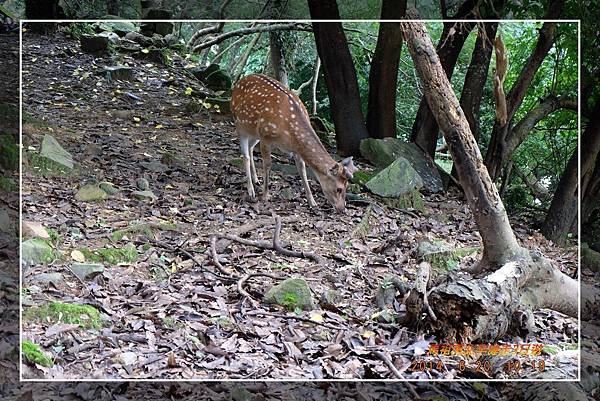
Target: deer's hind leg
[{"x": 252, "y": 144}]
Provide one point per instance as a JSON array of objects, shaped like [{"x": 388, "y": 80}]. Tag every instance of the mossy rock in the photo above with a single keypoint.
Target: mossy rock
[
  {"x": 36, "y": 251},
  {"x": 85, "y": 316},
  {"x": 34, "y": 354},
  {"x": 91, "y": 193},
  {"x": 396, "y": 180},
  {"x": 8, "y": 184},
  {"x": 213, "y": 77},
  {"x": 292, "y": 293},
  {"x": 9, "y": 152},
  {"x": 411, "y": 200},
  {"x": 441, "y": 256},
  {"x": 146, "y": 229}
]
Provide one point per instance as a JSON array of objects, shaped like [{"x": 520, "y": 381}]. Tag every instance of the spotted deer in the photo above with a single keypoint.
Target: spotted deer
[{"x": 268, "y": 113}]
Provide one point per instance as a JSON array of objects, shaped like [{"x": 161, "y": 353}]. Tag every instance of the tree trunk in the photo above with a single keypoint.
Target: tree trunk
[
  {"x": 470, "y": 309},
  {"x": 476, "y": 77},
  {"x": 425, "y": 130},
  {"x": 340, "y": 77},
  {"x": 563, "y": 209},
  {"x": 242, "y": 63},
  {"x": 496, "y": 154},
  {"x": 315, "y": 81},
  {"x": 383, "y": 76},
  {"x": 277, "y": 58}
]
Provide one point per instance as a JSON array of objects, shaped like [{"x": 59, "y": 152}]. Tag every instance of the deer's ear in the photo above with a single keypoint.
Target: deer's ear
[
  {"x": 334, "y": 171},
  {"x": 348, "y": 167}
]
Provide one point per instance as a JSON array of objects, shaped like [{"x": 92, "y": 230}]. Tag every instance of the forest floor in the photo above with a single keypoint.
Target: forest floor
[{"x": 167, "y": 315}]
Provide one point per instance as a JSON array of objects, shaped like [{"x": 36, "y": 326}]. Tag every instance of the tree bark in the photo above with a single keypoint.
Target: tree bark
[
  {"x": 496, "y": 153},
  {"x": 340, "y": 77},
  {"x": 383, "y": 75},
  {"x": 470, "y": 309},
  {"x": 425, "y": 129},
  {"x": 563, "y": 209},
  {"x": 276, "y": 53}
]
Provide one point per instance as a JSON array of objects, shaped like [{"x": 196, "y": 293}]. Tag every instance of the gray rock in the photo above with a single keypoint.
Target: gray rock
[
  {"x": 396, "y": 180},
  {"x": 54, "y": 278},
  {"x": 6, "y": 223},
  {"x": 142, "y": 184},
  {"x": 108, "y": 187},
  {"x": 139, "y": 39},
  {"x": 119, "y": 27},
  {"x": 212, "y": 77},
  {"x": 145, "y": 195},
  {"x": 86, "y": 270},
  {"x": 90, "y": 193},
  {"x": 36, "y": 251},
  {"x": 383, "y": 152},
  {"x": 291, "y": 289},
  {"x": 33, "y": 229},
  {"x": 171, "y": 39},
  {"x": 111, "y": 36},
  {"x": 94, "y": 43},
  {"x": 118, "y": 73},
  {"x": 52, "y": 150}
]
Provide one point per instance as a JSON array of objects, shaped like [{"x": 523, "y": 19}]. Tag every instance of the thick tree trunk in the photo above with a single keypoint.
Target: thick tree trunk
[
  {"x": 482, "y": 309},
  {"x": 425, "y": 129},
  {"x": 340, "y": 77},
  {"x": 496, "y": 154},
  {"x": 383, "y": 76},
  {"x": 563, "y": 209}
]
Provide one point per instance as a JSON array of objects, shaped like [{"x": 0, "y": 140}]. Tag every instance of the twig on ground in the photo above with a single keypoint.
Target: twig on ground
[
  {"x": 246, "y": 277},
  {"x": 300, "y": 318},
  {"x": 275, "y": 245},
  {"x": 388, "y": 362}
]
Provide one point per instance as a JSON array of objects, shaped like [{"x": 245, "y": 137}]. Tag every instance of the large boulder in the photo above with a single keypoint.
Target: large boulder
[
  {"x": 94, "y": 43},
  {"x": 139, "y": 38},
  {"x": 35, "y": 251},
  {"x": 383, "y": 152},
  {"x": 213, "y": 77},
  {"x": 121, "y": 28},
  {"x": 396, "y": 180}
]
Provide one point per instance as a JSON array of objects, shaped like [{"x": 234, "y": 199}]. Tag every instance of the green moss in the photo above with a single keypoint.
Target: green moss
[
  {"x": 362, "y": 177},
  {"x": 85, "y": 316},
  {"x": 412, "y": 200},
  {"x": 289, "y": 301},
  {"x": 8, "y": 184},
  {"x": 112, "y": 256},
  {"x": 9, "y": 152},
  {"x": 34, "y": 354}
]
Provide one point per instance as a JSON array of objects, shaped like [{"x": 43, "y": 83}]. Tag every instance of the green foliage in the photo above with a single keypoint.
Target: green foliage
[
  {"x": 289, "y": 301},
  {"x": 113, "y": 256},
  {"x": 9, "y": 152},
  {"x": 76, "y": 30},
  {"x": 34, "y": 354}
]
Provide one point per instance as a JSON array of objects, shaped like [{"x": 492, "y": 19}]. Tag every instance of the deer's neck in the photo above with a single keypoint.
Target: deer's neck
[{"x": 312, "y": 151}]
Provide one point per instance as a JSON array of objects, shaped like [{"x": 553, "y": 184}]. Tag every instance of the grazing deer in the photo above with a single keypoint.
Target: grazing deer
[{"x": 268, "y": 113}]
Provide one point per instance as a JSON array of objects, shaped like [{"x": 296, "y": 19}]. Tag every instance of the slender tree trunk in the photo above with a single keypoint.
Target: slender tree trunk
[
  {"x": 476, "y": 77},
  {"x": 383, "y": 76},
  {"x": 276, "y": 53},
  {"x": 425, "y": 129},
  {"x": 496, "y": 153},
  {"x": 563, "y": 209},
  {"x": 315, "y": 81},
  {"x": 340, "y": 77},
  {"x": 242, "y": 63}
]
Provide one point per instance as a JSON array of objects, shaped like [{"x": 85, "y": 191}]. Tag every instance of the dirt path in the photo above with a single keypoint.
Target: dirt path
[{"x": 163, "y": 315}]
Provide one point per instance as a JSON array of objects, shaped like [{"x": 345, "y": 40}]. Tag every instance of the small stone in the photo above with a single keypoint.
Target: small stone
[
  {"x": 121, "y": 114},
  {"x": 287, "y": 193},
  {"x": 118, "y": 73},
  {"x": 108, "y": 187},
  {"x": 6, "y": 223},
  {"x": 52, "y": 150},
  {"x": 85, "y": 270},
  {"x": 295, "y": 288},
  {"x": 241, "y": 394},
  {"x": 139, "y": 38},
  {"x": 90, "y": 193},
  {"x": 128, "y": 358},
  {"x": 54, "y": 278},
  {"x": 145, "y": 195},
  {"x": 77, "y": 256},
  {"x": 142, "y": 184},
  {"x": 32, "y": 229}
]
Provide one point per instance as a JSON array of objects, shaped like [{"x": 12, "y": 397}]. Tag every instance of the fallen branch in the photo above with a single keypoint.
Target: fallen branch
[
  {"x": 388, "y": 362},
  {"x": 275, "y": 245}
]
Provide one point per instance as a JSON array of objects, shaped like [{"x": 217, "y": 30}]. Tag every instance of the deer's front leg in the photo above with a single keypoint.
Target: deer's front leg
[
  {"x": 265, "y": 152},
  {"x": 301, "y": 166},
  {"x": 247, "y": 165}
]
